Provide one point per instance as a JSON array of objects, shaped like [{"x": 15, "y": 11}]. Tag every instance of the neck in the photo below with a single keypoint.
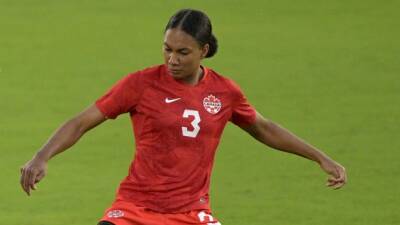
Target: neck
[{"x": 195, "y": 78}]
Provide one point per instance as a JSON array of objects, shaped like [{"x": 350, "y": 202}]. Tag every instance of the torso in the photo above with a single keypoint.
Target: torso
[{"x": 177, "y": 129}]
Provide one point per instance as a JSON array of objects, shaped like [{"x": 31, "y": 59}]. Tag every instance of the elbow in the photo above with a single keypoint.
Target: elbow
[
  {"x": 267, "y": 132},
  {"x": 76, "y": 125},
  {"x": 270, "y": 126},
  {"x": 261, "y": 129}
]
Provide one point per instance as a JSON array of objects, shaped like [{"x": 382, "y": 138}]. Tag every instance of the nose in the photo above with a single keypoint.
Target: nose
[{"x": 173, "y": 59}]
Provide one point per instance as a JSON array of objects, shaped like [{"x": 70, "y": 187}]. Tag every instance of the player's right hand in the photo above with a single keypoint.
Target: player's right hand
[
  {"x": 337, "y": 173},
  {"x": 31, "y": 173}
]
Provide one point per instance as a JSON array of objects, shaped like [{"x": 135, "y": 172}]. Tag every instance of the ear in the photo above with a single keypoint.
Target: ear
[{"x": 204, "y": 50}]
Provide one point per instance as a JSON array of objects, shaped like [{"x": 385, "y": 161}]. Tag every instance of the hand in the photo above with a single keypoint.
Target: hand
[
  {"x": 337, "y": 173},
  {"x": 31, "y": 173}
]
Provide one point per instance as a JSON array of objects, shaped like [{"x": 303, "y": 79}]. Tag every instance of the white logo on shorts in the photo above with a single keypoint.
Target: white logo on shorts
[
  {"x": 203, "y": 216},
  {"x": 115, "y": 214}
]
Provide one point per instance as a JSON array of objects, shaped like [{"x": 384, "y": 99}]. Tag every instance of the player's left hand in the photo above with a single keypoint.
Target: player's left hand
[
  {"x": 337, "y": 173},
  {"x": 31, "y": 173}
]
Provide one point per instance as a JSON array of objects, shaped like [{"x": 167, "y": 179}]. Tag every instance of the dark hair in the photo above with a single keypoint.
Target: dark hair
[{"x": 196, "y": 24}]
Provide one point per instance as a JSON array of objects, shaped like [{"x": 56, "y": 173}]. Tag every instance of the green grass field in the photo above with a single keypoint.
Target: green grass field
[{"x": 326, "y": 70}]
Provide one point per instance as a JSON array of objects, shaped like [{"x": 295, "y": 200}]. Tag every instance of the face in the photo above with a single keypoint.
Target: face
[{"x": 183, "y": 55}]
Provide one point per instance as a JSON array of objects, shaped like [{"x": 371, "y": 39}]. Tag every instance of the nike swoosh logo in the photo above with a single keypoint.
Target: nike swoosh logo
[{"x": 167, "y": 100}]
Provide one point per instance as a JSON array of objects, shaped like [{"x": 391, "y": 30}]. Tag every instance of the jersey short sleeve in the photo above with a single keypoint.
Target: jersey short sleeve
[
  {"x": 122, "y": 97},
  {"x": 242, "y": 112}
]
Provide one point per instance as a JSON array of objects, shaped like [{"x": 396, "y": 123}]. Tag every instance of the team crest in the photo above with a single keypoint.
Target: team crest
[
  {"x": 212, "y": 104},
  {"x": 115, "y": 214}
]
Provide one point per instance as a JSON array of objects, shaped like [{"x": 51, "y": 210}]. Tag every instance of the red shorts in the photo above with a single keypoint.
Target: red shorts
[{"x": 127, "y": 213}]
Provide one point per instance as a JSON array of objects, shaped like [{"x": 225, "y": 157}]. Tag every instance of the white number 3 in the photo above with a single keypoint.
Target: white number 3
[{"x": 195, "y": 123}]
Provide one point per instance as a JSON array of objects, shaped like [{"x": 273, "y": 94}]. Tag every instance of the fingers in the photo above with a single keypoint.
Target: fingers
[
  {"x": 338, "y": 185},
  {"x": 338, "y": 178},
  {"x": 32, "y": 179},
  {"x": 342, "y": 174},
  {"x": 335, "y": 184},
  {"x": 29, "y": 177},
  {"x": 331, "y": 181},
  {"x": 22, "y": 178},
  {"x": 39, "y": 177},
  {"x": 26, "y": 178},
  {"x": 31, "y": 173}
]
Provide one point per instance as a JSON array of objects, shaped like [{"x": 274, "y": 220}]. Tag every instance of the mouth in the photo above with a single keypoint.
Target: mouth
[{"x": 174, "y": 71}]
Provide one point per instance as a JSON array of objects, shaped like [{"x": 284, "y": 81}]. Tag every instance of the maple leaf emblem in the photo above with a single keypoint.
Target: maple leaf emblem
[{"x": 212, "y": 104}]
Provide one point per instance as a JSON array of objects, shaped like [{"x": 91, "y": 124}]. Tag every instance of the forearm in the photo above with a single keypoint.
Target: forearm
[
  {"x": 277, "y": 137},
  {"x": 64, "y": 137},
  {"x": 280, "y": 138}
]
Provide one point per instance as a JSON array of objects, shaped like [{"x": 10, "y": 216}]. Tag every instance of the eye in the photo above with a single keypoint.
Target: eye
[
  {"x": 184, "y": 52},
  {"x": 167, "y": 49}
]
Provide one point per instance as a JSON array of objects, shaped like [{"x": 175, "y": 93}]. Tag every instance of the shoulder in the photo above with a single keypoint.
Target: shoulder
[
  {"x": 147, "y": 73},
  {"x": 144, "y": 76},
  {"x": 152, "y": 71},
  {"x": 224, "y": 82}
]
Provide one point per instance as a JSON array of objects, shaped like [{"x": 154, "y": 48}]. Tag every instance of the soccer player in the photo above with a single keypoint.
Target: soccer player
[{"x": 178, "y": 110}]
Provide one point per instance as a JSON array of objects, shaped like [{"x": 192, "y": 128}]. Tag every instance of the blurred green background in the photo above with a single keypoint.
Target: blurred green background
[{"x": 326, "y": 70}]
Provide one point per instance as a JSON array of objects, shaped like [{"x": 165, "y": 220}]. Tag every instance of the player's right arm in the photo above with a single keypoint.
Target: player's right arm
[{"x": 64, "y": 137}]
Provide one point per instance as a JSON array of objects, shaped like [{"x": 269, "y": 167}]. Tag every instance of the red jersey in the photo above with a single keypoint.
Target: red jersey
[{"x": 177, "y": 128}]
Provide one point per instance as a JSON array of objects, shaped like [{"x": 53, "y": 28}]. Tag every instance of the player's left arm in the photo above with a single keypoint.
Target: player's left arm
[{"x": 277, "y": 137}]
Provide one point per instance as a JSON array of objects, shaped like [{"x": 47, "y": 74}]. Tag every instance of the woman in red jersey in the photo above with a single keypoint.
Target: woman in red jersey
[{"x": 178, "y": 110}]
